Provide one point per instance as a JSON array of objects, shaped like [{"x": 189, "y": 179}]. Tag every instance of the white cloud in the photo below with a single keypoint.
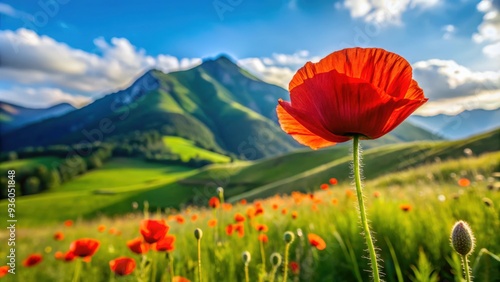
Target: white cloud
[
  {"x": 449, "y": 30},
  {"x": 452, "y": 88},
  {"x": 384, "y": 11},
  {"x": 11, "y": 12},
  {"x": 489, "y": 29},
  {"x": 32, "y": 60},
  {"x": 41, "y": 97}
]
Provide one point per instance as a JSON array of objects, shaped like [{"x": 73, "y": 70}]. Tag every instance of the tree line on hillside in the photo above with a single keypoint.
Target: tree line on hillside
[{"x": 75, "y": 160}]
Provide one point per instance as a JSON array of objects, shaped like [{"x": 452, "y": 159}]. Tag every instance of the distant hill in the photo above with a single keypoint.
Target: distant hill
[
  {"x": 14, "y": 116},
  {"x": 465, "y": 124},
  {"x": 217, "y": 105}
]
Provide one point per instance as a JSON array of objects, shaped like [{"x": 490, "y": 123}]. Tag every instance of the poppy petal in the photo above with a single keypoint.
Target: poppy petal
[
  {"x": 291, "y": 126},
  {"x": 394, "y": 77}
]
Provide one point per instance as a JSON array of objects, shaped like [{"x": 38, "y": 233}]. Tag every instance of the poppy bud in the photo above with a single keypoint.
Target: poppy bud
[
  {"x": 462, "y": 238},
  {"x": 198, "y": 233},
  {"x": 289, "y": 237},
  {"x": 246, "y": 257},
  {"x": 220, "y": 192},
  {"x": 275, "y": 259}
]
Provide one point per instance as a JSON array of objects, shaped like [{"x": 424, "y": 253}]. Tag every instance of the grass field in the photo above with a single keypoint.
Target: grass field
[
  {"x": 49, "y": 162},
  {"x": 411, "y": 242},
  {"x": 186, "y": 149}
]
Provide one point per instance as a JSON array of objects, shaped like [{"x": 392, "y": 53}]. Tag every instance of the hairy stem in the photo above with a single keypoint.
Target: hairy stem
[{"x": 362, "y": 211}]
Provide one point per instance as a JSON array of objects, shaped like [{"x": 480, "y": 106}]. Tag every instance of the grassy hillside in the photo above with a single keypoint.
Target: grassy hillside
[
  {"x": 49, "y": 162},
  {"x": 186, "y": 149},
  {"x": 112, "y": 189}
]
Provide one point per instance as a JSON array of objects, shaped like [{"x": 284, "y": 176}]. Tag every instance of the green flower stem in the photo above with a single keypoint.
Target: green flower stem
[
  {"x": 362, "y": 211},
  {"x": 199, "y": 260},
  {"x": 263, "y": 255},
  {"x": 78, "y": 270},
  {"x": 285, "y": 266},
  {"x": 466, "y": 268},
  {"x": 247, "y": 276}
]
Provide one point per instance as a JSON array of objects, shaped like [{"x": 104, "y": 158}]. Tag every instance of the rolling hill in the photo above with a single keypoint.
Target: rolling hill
[
  {"x": 217, "y": 105},
  {"x": 14, "y": 116},
  {"x": 107, "y": 192}
]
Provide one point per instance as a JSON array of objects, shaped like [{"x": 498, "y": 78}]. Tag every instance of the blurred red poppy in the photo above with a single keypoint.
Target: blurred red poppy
[
  {"x": 463, "y": 182},
  {"x": 101, "y": 228},
  {"x": 316, "y": 241},
  {"x": 295, "y": 215},
  {"x": 152, "y": 230},
  {"x": 84, "y": 247},
  {"x": 138, "y": 246},
  {"x": 324, "y": 186},
  {"x": 261, "y": 227},
  {"x": 180, "y": 279},
  {"x": 194, "y": 217},
  {"x": 214, "y": 202},
  {"x": 239, "y": 217},
  {"x": 68, "y": 223},
  {"x": 243, "y": 201},
  {"x": 180, "y": 219},
  {"x": 122, "y": 266},
  {"x": 212, "y": 222},
  {"x": 354, "y": 91},
  {"x": 229, "y": 229},
  {"x": 284, "y": 211},
  {"x": 333, "y": 181},
  {"x": 263, "y": 238},
  {"x": 69, "y": 256},
  {"x": 58, "y": 255},
  {"x": 240, "y": 228},
  {"x": 294, "y": 267},
  {"x": 405, "y": 207},
  {"x": 376, "y": 194},
  {"x": 166, "y": 244},
  {"x": 58, "y": 236},
  {"x": 275, "y": 206},
  {"x": 4, "y": 270},
  {"x": 227, "y": 206},
  {"x": 32, "y": 260}
]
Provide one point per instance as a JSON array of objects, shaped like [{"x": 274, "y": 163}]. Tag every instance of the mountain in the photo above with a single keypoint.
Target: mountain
[
  {"x": 14, "y": 116},
  {"x": 218, "y": 105},
  {"x": 463, "y": 125}
]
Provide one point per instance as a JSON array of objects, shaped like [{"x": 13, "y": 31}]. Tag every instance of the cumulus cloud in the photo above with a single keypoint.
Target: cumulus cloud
[
  {"x": 452, "y": 88},
  {"x": 42, "y": 97},
  {"x": 489, "y": 29},
  {"x": 39, "y": 61},
  {"x": 279, "y": 68},
  {"x": 384, "y": 11}
]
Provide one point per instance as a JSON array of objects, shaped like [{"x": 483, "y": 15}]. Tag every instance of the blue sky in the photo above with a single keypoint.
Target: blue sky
[{"x": 74, "y": 50}]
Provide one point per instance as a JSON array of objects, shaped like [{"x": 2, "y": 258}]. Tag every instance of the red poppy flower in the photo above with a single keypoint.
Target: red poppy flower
[
  {"x": 376, "y": 194},
  {"x": 180, "y": 219},
  {"x": 58, "y": 236},
  {"x": 463, "y": 182},
  {"x": 166, "y": 244},
  {"x": 324, "y": 186},
  {"x": 214, "y": 202},
  {"x": 112, "y": 231},
  {"x": 240, "y": 228},
  {"x": 263, "y": 238},
  {"x": 138, "y": 246},
  {"x": 4, "y": 270},
  {"x": 349, "y": 193},
  {"x": 294, "y": 267},
  {"x": 212, "y": 222},
  {"x": 68, "y": 223},
  {"x": 227, "y": 206},
  {"x": 229, "y": 229},
  {"x": 355, "y": 91},
  {"x": 122, "y": 266},
  {"x": 284, "y": 211},
  {"x": 85, "y": 247},
  {"x": 101, "y": 228},
  {"x": 243, "y": 201},
  {"x": 275, "y": 206},
  {"x": 333, "y": 181},
  {"x": 69, "y": 256},
  {"x": 261, "y": 227},
  {"x": 239, "y": 217},
  {"x": 295, "y": 215},
  {"x": 152, "y": 230},
  {"x": 194, "y": 217},
  {"x": 58, "y": 255},
  {"x": 335, "y": 201},
  {"x": 405, "y": 207},
  {"x": 316, "y": 241},
  {"x": 180, "y": 279},
  {"x": 32, "y": 260},
  {"x": 259, "y": 210}
]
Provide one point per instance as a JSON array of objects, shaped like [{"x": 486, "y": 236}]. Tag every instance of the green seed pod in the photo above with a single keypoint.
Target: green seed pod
[
  {"x": 198, "y": 233},
  {"x": 246, "y": 257},
  {"x": 220, "y": 191},
  {"x": 289, "y": 237},
  {"x": 275, "y": 259},
  {"x": 462, "y": 238}
]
